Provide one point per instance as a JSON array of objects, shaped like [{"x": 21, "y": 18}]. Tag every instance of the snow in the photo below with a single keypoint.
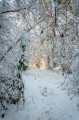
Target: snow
[{"x": 44, "y": 98}]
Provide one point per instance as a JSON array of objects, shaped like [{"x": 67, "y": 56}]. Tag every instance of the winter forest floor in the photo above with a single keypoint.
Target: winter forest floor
[{"x": 44, "y": 99}]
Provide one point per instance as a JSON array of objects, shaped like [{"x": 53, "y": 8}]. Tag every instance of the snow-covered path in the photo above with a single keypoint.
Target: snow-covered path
[{"x": 45, "y": 99}]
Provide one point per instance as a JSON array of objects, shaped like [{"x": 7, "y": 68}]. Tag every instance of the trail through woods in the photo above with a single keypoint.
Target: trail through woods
[{"x": 44, "y": 99}]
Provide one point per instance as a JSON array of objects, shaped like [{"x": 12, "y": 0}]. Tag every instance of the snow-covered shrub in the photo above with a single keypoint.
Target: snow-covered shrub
[
  {"x": 11, "y": 86},
  {"x": 10, "y": 90},
  {"x": 74, "y": 65},
  {"x": 67, "y": 44}
]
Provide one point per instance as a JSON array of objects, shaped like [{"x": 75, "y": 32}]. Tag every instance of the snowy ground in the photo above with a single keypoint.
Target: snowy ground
[{"x": 45, "y": 99}]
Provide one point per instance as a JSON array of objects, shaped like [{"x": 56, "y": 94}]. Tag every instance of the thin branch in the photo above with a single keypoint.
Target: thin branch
[
  {"x": 8, "y": 51},
  {"x": 17, "y": 10}
]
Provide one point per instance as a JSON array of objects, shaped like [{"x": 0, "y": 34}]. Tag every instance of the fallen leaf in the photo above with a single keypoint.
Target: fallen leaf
[{"x": 62, "y": 35}]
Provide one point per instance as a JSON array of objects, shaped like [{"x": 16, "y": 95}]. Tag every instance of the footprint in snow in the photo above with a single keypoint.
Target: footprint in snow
[{"x": 45, "y": 92}]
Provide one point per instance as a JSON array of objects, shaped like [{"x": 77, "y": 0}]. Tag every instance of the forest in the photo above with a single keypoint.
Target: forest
[{"x": 39, "y": 59}]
